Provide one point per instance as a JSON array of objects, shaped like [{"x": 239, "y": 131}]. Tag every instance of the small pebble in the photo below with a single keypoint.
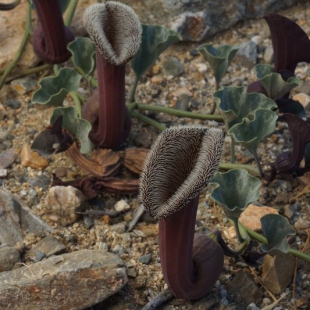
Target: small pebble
[{"x": 145, "y": 259}]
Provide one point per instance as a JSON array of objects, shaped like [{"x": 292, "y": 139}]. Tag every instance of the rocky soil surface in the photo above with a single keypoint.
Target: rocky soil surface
[{"x": 181, "y": 79}]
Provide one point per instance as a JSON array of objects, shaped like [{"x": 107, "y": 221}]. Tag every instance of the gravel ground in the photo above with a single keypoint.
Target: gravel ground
[{"x": 19, "y": 124}]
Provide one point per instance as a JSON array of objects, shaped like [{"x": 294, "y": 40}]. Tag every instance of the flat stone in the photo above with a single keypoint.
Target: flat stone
[
  {"x": 48, "y": 246},
  {"x": 72, "y": 281},
  {"x": 62, "y": 203},
  {"x": 302, "y": 224},
  {"x": 7, "y": 158},
  {"x": 244, "y": 288},
  {"x": 40, "y": 181},
  {"x": 278, "y": 271},
  {"x": 8, "y": 258},
  {"x": 12, "y": 103},
  {"x": 247, "y": 54},
  {"x": 24, "y": 85},
  {"x": 32, "y": 159},
  {"x": 17, "y": 219},
  {"x": 172, "y": 66},
  {"x": 251, "y": 216},
  {"x": 145, "y": 259}
]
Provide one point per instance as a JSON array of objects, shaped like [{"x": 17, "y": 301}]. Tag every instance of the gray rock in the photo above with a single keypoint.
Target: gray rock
[
  {"x": 244, "y": 288},
  {"x": 247, "y": 54},
  {"x": 268, "y": 54},
  {"x": 172, "y": 66},
  {"x": 17, "y": 219},
  {"x": 7, "y": 158},
  {"x": 12, "y": 103},
  {"x": 48, "y": 246},
  {"x": 8, "y": 258},
  {"x": 24, "y": 85},
  {"x": 41, "y": 181},
  {"x": 3, "y": 172},
  {"x": 62, "y": 203},
  {"x": 70, "y": 281},
  {"x": 145, "y": 259},
  {"x": 278, "y": 272},
  {"x": 197, "y": 20}
]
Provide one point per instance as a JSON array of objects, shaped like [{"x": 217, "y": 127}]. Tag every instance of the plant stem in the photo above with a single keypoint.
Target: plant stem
[
  {"x": 261, "y": 173},
  {"x": 229, "y": 166},
  {"x": 235, "y": 222},
  {"x": 147, "y": 120},
  {"x": 263, "y": 240},
  {"x": 70, "y": 12},
  {"x": 11, "y": 66},
  {"x": 133, "y": 89},
  {"x": 232, "y": 150},
  {"x": 75, "y": 96},
  {"x": 178, "y": 113}
]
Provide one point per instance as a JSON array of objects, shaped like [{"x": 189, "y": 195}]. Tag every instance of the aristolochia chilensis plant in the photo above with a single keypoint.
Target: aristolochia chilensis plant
[
  {"x": 116, "y": 32},
  {"x": 51, "y": 37},
  {"x": 180, "y": 164}
]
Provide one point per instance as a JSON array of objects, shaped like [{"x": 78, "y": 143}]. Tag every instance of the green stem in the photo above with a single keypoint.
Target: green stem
[
  {"x": 147, "y": 120},
  {"x": 261, "y": 173},
  {"x": 133, "y": 89},
  {"x": 229, "y": 166},
  {"x": 178, "y": 113},
  {"x": 260, "y": 238},
  {"x": 233, "y": 150},
  {"x": 70, "y": 12},
  {"x": 75, "y": 96},
  {"x": 28, "y": 72},
  {"x": 235, "y": 222},
  {"x": 11, "y": 66}
]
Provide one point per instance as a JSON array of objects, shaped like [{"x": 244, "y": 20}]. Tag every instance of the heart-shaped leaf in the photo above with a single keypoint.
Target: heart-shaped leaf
[
  {"x": 262, "y": 70},
  {"x": 235, "y": 103},
  {"x": 234, "y": 191},
  {"x": 276, "y": 228},
  {"x": 77, "y": 127},
  {"x": 276, "y": 87},
  {"x": 83, "y": 55},
  {"x": 250, "y": 132},
  {"x": 218, "y": 57},
  {"x": 54, "y": 89},
  {"x": 155, "y": 39}
]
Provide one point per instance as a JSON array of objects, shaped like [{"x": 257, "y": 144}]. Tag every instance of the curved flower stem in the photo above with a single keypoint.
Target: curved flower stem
[
  {"x": 190, "y": 266},
  {"x": 70, "y": 12},
  {"x": 178, "y": 113},
  {"x": 229, "y": 166},
  {"x": 28, "y": 71},
  {"x": 263, "y": 240},
  {"x": 11, "y": 66},
  {"x": 147, "y": 120},
  {"x": 133, "y": 89}
]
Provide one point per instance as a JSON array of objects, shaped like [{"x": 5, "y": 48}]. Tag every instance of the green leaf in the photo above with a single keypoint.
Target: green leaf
[
  {"x": 250, "y": 132},
  {"x": 54, "y": 89},
  {"x": 235, "y": 104},
  {"x": 155, "y": 39},
  {"x": 234, "y": 191},
  {"x": 83, "y": 55},
  {"x": 77, "y": 127},
  {"x": 276, "y": 87},
  {"x": 219, "y": 58},
  {"x": 262, "y": 70},
  {"x": 276, "y": 228}
]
